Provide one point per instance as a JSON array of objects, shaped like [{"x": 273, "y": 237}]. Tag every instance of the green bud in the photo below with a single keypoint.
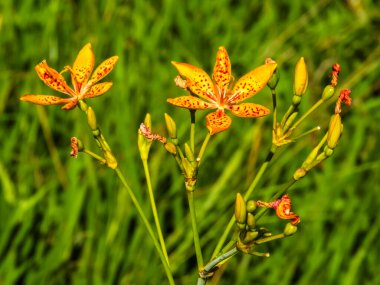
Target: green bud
[
  {"x": 171, "y": 126},
  {"x": 250, "y": 236},
  {"x": 91, "y": 119},
  {"x": 251, "y": 206},
  {"x": 328, "y": 151},
  {"x": 300, "y": 172},
  {"x": 188, "y": 168},
  {"x": 240, "y": 226},
  {"x": 273, "y": 81},
  {"x": 311, "y": 157},
  {"x": 251, "y": 221},
  {"x": 328, "y": 92},
  {"x": 240, "y": 209},
  {"x": 82, "y": 105},
  {"x": 300, "y": 78},
  {"x": 335, "y": 131},
  {"x": 290, "y": 229},
  {"x": 296, "y": 100},
  {"x": 290, "y": 119},
  {"x": 148, "y": 121},
  {"x": 170, "y": 148}
]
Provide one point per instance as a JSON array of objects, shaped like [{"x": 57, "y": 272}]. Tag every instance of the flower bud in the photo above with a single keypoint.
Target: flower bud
[
  {"x": 251, "y": 221},
  {"x": 170, "y": 148},
  {"x": 300, "y": 78},
  {"x": 91, "y": 119},
  {"x": 311, "y": 157},
  {"x": 171, "y": 126},
  {"x": 273, "y": 81},
  {"x": 240, "y": 209},
  {"x": 300, "y": 172},
  {"x": 251, "y": 206},
  {"x": 335, "y": 131},
  {"x": 328, "y": 92},
  {"x": 250, "y": 236},
  {"x": 290, "y": 229}
]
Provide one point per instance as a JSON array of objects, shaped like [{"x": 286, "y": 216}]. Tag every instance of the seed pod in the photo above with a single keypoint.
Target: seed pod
[
  {"x": 290, "y": 229},
  {"x": 328, "y": 92}
]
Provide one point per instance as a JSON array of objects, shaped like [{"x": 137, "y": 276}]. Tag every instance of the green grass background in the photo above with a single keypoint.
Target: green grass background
[{"x": 67, "y": 221}]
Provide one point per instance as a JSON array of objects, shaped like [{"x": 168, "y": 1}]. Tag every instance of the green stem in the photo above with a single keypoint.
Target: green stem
[
  {"x": 203, "y": 148},
  {"x": 311, "y": 110},
  {"x": 197, "y": 245},
  {"x": 246, "y": 196},
  {"x": 154, "y": 210},
  {"x": 147, "y": 225},
  {"x": 209, "y": 267},
  {"x": 112, "y": 163},
  {"x": 94, "y": 155},
  {"x": 274, "y": 100},
  {"x": 192, "y": 130},
  {"x": 287, "y": 114},
  {"x": 315, "y": 129},
  {"x": 271, "y": 238}
]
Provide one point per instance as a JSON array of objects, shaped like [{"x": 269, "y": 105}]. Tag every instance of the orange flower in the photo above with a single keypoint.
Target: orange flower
[
  {"x": 217, "y": 93},
  {"x": 83, "y": 86},
  {"x": 283, "y": 207}
]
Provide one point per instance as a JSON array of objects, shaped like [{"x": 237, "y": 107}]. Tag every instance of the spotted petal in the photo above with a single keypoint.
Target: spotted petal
[
  {"x": 197, "y": 80},
  {"x": 83, "y": 66},
  {"x": 103, "y": 69},
  {"x": 252, "y": 82},
  {"x": 222, "y": 69},
  {"x": 45, "y": 99},
  {"x": 190, "y": 102},
  {"x": 53, "y": 79},
  {"x": 249, "y": 110},
  {"x": 98, "y": 89},
  {"x": 217, "y": 122}
]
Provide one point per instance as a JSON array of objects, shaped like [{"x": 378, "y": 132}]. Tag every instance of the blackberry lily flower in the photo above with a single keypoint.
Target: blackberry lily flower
[
  {"x": 217, "y": 93},
  {"x": 83, "y": 86}
]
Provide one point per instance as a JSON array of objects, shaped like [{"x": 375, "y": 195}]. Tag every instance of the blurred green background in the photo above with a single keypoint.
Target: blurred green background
[{"x": 66, "y": 221}]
